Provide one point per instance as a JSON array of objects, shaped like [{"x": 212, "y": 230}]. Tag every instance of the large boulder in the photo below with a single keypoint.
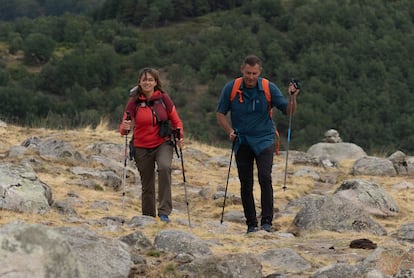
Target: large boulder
[
  {"x": 374, "y": 166},
  {"x": 333, "y": 213},
  {"x": 32, "y": 250},
  {"x": 369, "y": 196},
  {"x": 338, "y": 151},
  {"x": 22, "y": 191}
]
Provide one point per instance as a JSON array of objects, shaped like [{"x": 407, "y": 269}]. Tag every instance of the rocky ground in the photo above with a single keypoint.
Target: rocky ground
[{"x": 206, "y": 170}]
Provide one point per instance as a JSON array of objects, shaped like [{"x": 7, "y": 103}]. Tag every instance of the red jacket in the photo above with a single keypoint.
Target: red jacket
[{"x": 145, "y": 114}]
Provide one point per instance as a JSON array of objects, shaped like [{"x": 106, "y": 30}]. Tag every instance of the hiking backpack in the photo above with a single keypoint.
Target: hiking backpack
[
  {"x": 266, "y": 88},
  {"x": 157, "y": 106}
]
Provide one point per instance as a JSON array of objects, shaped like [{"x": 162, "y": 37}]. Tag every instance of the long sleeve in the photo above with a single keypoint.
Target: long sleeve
[{"x": 176, "y": 121}]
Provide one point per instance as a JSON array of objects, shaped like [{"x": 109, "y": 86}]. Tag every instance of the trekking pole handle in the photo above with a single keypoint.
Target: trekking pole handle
[
  {"x": 173, "y": 139},
  {"x": 296, "y": 83},
  {"x": 178, "y": 133}
]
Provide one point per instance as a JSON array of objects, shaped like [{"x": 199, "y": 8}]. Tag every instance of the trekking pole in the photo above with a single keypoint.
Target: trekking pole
[
  {"x": 178, "y": 136},
  {"x": 128, "y": 118},
  {"x": 297, "y": 84},
  {"x": 227, "y": 182},
  {"x": 287, "y": 145}
]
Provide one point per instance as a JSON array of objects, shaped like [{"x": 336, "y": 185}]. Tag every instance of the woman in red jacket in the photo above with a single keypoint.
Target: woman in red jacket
[{"x": 150, "y": 108}]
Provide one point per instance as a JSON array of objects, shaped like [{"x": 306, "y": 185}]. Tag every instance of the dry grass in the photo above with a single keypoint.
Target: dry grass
[{"x": 205, "y": 212}]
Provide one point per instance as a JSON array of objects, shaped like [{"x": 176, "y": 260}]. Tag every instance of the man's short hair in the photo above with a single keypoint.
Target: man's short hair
[{"x": 252, "y": 60}]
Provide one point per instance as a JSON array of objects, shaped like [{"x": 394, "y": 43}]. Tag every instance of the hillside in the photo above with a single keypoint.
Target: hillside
[
  {"x": 354, "y": 59},
  {"x": 205, "y": 171}
]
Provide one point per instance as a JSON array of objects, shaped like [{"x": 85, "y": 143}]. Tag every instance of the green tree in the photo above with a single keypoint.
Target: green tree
[
  {"x": 125, "y": 45},
  {"x": 102, "y": 67},
  {"x": 55, "y": 77},
  {"x": 16, "y": 43},
  {"x": 38, "y": 49},
  {"x": 74, "y": 28},
  {"x": 11, "y": 9},
  {"x": 4, "y": 77},
  {"x": 50, "y": 26},
  {"x": 52, "y": 7}
]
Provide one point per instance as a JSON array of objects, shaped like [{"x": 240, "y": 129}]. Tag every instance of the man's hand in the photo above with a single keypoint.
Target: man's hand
[
  {"x": 232, "y": 135},
  {"x": 293, "y": 90},
  {"x": 294, "y": 87}
]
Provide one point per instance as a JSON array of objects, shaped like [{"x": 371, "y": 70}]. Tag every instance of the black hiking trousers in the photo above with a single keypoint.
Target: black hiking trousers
[{"x": 245, "y": 158}]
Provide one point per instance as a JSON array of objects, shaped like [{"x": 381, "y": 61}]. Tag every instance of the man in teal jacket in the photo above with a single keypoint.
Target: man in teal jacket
[{"x": 254, "y": 131}]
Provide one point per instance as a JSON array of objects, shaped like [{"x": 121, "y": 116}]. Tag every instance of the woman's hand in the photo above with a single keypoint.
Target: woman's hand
[
  {"x": 126, "y": 125},
  {"x": 180, "y": 142}
]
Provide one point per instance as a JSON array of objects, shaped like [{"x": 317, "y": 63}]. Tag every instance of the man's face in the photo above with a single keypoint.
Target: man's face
[{"x": 250, "y": 75}]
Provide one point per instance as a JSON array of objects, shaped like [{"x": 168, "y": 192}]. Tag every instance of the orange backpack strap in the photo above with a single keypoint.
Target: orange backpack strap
[
  {"x": 236, "y": 89},
  {"x": 266, "y": 89},
  {"x": 277, "y": 148}
]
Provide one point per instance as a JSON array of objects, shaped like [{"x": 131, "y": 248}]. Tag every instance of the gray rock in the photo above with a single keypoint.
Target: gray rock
[
  {"x": 410, "y": 166},
  {"x": 382, "y": 256},
  {"x": 369, "y": 196},
  {"x": 374, "y": 166},
  {"x": 285, "y": 259},
  {"x": 21, "y": 190},
  {"x": 52, "y": 148},
  {"x": 332, "y": 136},
  {"x": 177, "y": 242},
  {"x": 137, "y": 241},
  {"x": 334, "y": 213},
  {"x": 405, "y": 232},
  {"x": 228, "y": 266},
  {"x": 335, "y": 271},
  {"x": 338, "y": 151},
  {"x": 107, "y": 149},
  {"x": 108, "y": 178},
  {"x": 306, "y": 172},
  {"x": 32, "y": 250},
  {"x": 99, "y": 256},
  {"x": 63, "y": 207},
  {"x": 398, "y": 159}
]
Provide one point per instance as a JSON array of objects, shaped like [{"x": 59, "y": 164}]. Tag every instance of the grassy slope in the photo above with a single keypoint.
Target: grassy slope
[{"x": 205, "y": 213}]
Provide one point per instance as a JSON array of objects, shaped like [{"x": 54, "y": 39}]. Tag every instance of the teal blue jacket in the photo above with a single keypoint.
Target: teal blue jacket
[{"x": 251, "y": 118}]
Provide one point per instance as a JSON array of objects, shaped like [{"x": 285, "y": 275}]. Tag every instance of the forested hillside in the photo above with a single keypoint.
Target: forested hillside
[{"x": 73, "y": 68}]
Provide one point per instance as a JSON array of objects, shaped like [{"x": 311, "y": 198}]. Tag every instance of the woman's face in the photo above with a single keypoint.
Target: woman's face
[{"x": 147, "y": 83}]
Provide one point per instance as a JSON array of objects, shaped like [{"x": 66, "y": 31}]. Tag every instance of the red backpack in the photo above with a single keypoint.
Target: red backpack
[{"x": 265, "y": 84}]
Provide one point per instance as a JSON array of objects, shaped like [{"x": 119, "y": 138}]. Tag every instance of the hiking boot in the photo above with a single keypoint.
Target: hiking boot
[
  {"x": 252, "y": 229},
  {"x": 267, "y": 227},
  {"x": 164, "y": 218}
]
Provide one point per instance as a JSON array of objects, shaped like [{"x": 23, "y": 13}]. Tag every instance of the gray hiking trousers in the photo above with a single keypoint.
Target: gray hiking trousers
[{"x": 147, "y": 161}]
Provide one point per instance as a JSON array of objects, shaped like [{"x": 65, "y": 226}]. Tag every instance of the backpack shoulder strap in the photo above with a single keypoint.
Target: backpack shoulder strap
[
  {"x": 266, "y": 89},
  {"x": 236, "y": 89},
  {"x": 167, "y": 102}
]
